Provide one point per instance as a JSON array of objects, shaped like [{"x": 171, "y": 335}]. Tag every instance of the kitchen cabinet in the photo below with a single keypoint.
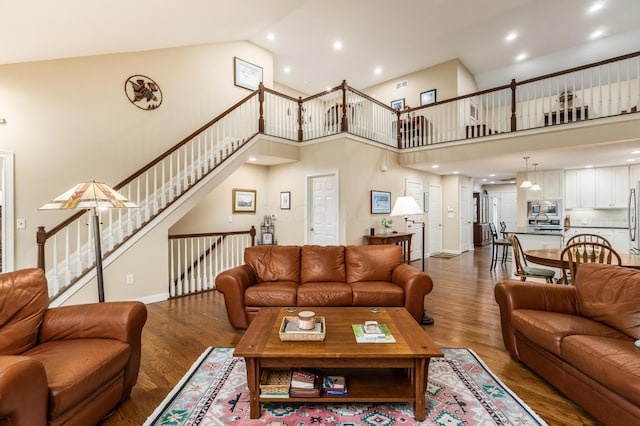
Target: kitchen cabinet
[
  {"x": 551, "y": 183},
  {"x": 481, "y": 231},
  {"x": 619, "y": 238},
  {"x": 612, "y": 187},
  {"x": 579, "y": 189}
]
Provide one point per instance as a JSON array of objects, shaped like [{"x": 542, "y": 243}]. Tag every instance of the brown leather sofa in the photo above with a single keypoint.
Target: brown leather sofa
[
  {"x": 70, "y": 365},
  {"x": 310, "y": 276},
  {"x": 580, "y": 338}
]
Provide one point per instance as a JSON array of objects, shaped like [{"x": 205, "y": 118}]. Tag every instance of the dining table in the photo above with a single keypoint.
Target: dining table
[{"x": 551, "y": 257}]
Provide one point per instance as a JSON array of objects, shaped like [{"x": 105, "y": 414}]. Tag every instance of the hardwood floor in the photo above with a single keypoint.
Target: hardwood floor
[{"x": 462, "y": 303}]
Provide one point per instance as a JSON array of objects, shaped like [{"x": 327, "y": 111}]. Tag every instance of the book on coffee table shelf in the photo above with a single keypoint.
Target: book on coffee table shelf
[
  {"x": 304, "y": 384},
  {"x": 363, "y": 337},
  {"x": 334, "y": 385}
]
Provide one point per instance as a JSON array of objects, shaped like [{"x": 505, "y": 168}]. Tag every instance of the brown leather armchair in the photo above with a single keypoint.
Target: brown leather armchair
[{"x": 70, "y": 365}]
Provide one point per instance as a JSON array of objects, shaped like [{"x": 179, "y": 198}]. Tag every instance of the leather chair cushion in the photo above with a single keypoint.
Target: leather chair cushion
[
  {"x": 377, "y": 293},
  {"x": 615, "y": 363},
  {"x": 548, "y": 329},
  {"x": 324, "y": 294},
  {"x": 78, "y": 368},
  {"x": 610, "y": 294},
  {"x": 323, "y": 264},
  {"x": 23, "y": 301},
  {"x": 372, "y": 263},
  {"x": 274, "y": 293},
  {"x": 274, "y": 263}
]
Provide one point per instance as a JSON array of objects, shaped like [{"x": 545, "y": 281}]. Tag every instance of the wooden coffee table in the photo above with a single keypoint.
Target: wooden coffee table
[{"x": 400, "y": 369}]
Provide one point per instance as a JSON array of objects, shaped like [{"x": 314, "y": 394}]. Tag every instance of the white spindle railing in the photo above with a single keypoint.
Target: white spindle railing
[
  {"x": 69, "y": 248},
  {"x": 196, "y": 260},
  {"x": 605, "y": 89}
]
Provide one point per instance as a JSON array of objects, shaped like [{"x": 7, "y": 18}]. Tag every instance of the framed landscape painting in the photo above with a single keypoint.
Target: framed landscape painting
[
  {"x": 380, "y": 202},
  {"x": 244, "y": 200},
  {"x": 247, "y": 75}
]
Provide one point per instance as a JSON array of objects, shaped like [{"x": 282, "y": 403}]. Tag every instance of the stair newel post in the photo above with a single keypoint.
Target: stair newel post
[
  {"x": 261, "y": 102},
  {"x": 398, "y": 124},
  {"x": 300, "y": 114},
  {"x": 41, "y": 239},
  {"x": 345, "y": 121},
  {"x": 513, "y": 105},
  {"x": 252, "y": 232}
]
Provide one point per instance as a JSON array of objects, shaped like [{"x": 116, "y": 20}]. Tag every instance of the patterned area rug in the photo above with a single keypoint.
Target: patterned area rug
[{"x": 461, "y": 391}]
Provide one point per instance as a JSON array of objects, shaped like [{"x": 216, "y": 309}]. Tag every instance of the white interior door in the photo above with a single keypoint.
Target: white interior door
[
  {"x": 6, "y": 204},
  {"x": 466, "y": 242},
  {"x": 508, "y": 209},
  {"x": 435, "y": 219},
  {"x": 322, "y": 215}
]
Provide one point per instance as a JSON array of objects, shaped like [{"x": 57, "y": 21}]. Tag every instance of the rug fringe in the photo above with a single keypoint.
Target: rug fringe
[{"x": 167, "y": 400}]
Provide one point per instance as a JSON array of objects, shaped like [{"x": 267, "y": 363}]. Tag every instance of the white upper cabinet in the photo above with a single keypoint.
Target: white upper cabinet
[
  {"x": 612, "y": 187},
  {"x": 551, "y": 183},
  {"x": 579, "y": 189}
]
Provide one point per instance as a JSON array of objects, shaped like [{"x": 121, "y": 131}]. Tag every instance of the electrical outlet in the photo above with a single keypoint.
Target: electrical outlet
[
  {"x": 130, "y": 279},
  {"x": 21, "y": 223}
]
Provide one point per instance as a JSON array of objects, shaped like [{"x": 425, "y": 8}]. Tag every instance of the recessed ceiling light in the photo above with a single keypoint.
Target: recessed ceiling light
[
  {"x": 511, "y": 36},
  {"x": 596, "y": 34},
  {"x": 635, "y": 152},
  {"x": 435, "y": 166},
  {"x": 588, "y": 166},
  {"x": 596, "y": 7},
  {"x": 493, "y": 181},
  {"x": 287, "y": 70},
  {"x": 271, "y": 36},
  {"x": 492, "y": 175},
  {"x": 337, "y": 45},
  {"x": 521, "y": 57},
  {"x": 484, "y": 180},
  {"x": 455, "y": 172},
  {"x": 630, "y": 160},
  {"x": 377, "y": 71},
  {"x": 253, "y": 159}
]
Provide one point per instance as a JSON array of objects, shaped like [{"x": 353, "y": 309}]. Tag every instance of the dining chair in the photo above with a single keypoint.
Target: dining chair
[
  {"x": 525, "y": 271},
  {"x": 496, "y": 244},
  {"x": 586, "y": 252},
  {"x": 590, "y": 238},
  {"x": 503, "y": 229}
]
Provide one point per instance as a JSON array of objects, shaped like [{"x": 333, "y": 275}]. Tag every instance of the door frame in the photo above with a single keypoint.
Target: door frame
[
  {"x": 308, "y": 213},
  {"x": 8, "y": 249}
]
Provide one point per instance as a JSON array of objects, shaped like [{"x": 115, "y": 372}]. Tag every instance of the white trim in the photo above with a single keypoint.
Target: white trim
[{"x": 8, "y": 206}]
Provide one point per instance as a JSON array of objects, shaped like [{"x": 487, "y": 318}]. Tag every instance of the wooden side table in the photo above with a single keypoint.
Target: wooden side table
[{"x": 400, "y": 238}]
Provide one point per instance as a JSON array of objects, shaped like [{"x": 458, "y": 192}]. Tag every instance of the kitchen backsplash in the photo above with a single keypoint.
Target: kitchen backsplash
[{"x": 607, "y": 218}]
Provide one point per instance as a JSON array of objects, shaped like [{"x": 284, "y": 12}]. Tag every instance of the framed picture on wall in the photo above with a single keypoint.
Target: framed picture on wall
[
  {"x": 244, "y": 200},
  {"x": 473, "y": 110},
  {"x": 428, "y": 97},
  {"x": 285, "y": 200},
  {"x": 398, "y": 104},
  {"x": 247, "y": 75},
  {"x": 380, "y": 202}
]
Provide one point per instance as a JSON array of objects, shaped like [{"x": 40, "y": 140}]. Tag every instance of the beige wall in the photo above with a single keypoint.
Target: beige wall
[
  {"x": 70, "y": 120},
  {"x": 450, "y": 79}
]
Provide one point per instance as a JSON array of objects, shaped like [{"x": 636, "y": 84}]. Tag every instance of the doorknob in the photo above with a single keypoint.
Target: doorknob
[{"x": 311, "y": 229}]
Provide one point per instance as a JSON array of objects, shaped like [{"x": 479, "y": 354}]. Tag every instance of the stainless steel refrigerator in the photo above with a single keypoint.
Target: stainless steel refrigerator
[{"x": 634, "y": 210}]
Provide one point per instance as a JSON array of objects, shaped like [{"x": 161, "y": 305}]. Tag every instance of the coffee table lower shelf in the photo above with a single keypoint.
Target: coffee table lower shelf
[{"x": 365, "y": 385}]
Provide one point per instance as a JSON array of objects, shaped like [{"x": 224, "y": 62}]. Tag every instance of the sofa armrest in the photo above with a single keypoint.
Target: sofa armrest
[
  {"x": 24, "y": 391},
  {"x": 121, "y": 321},
  {"x": 232, "y": 283},
  {"x": 416, "y": 284},
  {"x": 513, "y": 295}
]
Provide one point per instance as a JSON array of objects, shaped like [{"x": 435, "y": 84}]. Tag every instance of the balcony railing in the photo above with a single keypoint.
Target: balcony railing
[{"x": 604, "y": 89}]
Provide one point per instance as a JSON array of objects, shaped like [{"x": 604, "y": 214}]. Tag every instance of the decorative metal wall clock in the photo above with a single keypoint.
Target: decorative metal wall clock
[{"x": 143, "y": 92}]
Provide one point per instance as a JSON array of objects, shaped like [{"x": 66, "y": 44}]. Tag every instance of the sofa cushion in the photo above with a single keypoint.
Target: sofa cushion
[
  {"x": 610, "y": 294},
  {"x": 274, "y": 263},
  {"x": 322, "y": 263},
  {"x": 548, "y": 329},
  {"x": 377, "y": 293},
  {"x": 372, "y": 263},
  {"x": 324, "y": 294},
  {"x": 615, "y": 363},
  {"x": 78, "y": 368},
  {"x": 23, "y": 301},
  {"x": 274, "y": 293}
]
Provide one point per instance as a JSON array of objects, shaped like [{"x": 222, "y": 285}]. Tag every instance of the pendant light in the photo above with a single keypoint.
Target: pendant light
[
  {"x": 527, "y": 183},
  {"x": 535, "y": 186}
]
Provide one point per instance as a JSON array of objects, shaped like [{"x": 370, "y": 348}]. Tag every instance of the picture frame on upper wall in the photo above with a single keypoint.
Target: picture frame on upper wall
[
  {"x": 244, "y": 200},
  {"x": 428, "y": 97},
  {"x": 246, "y": 75},
  {"x": 285, "y": 200},
  {"x": 398, "y": 104},
  {"x": 380, "y": 202}
]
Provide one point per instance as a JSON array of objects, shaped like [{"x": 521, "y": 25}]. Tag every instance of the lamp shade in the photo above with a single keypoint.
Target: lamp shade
[
  {"x": 89, "y": 195},
  {"x": 406, "y": 206}
]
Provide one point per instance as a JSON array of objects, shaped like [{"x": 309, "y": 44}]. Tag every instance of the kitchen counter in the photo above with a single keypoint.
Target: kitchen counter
[
  {"x": 597, "y": 227},
  {"x": 523, "y": 230}
]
